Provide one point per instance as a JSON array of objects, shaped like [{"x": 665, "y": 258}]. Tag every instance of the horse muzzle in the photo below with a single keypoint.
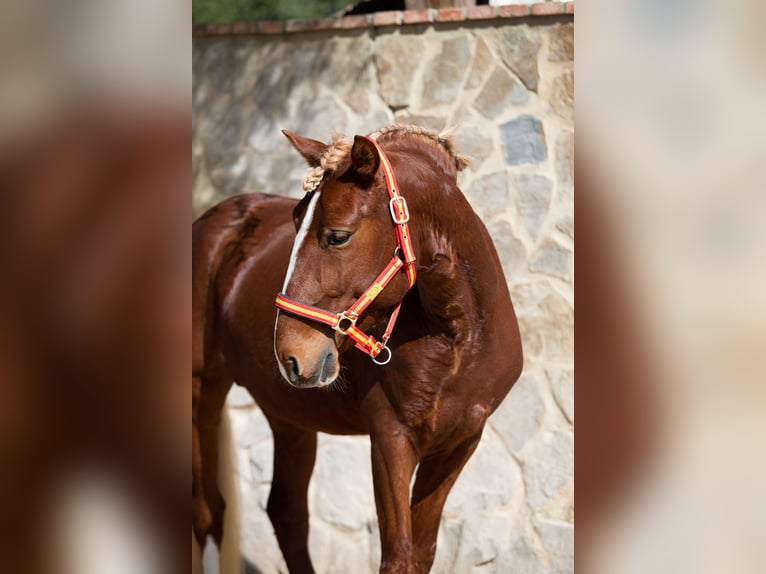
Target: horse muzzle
[{"x": 304, "y": 373}]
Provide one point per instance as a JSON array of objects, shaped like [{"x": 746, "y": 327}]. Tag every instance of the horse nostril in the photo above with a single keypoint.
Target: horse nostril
[
  {"x": 328, "y": 366},
  {"x": 293, "y": 369}
]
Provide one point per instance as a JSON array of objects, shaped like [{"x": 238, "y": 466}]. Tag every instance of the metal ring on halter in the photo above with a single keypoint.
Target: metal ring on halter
[
  {"x": 342, "y": 327},
  {"x": 388, "y": 359}
]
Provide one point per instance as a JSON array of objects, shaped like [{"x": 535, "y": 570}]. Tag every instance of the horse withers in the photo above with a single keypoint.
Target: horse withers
[{"x": 375, "y": 305}]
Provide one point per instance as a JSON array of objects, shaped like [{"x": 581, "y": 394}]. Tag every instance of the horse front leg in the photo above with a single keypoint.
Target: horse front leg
[
  {"x": 294, "y": 456},
  {"x": 436, "y": 475},
  {"x": 393, "y": 463}
]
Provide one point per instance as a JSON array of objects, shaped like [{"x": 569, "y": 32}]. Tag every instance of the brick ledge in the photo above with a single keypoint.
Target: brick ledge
[{"x": 390, "y": 18}]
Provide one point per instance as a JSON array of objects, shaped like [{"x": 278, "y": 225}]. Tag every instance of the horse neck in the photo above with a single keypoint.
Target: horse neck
[{"x": 456, "y": 263}]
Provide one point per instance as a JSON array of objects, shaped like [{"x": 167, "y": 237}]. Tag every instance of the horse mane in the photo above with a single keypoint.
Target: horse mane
[
  {"x": 340, "y": 145},
  {"x": 442, "y": 140}
]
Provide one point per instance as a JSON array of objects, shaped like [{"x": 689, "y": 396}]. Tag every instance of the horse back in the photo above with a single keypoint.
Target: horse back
[{"x": 224, "y": 240}]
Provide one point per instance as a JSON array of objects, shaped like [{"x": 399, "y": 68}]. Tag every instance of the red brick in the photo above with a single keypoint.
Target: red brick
[
  {"x": 387, "y": 18},
  {"x": 198, "y": 29},
  {"x": 217, "y": 29},
  {"x": 480, "y": 12},
  {"x": 355, "y": 21},
  {"x": 451, "y": 15},
  {"x": 547, "y": 8},
  {"x": 270, "y": 27},
  {"x": 243, "y": 28},
  {"x": 570, "y": 8},
  {"x": 324, "y": 23},
  {"x": 418, "y": 16},
  {"x": 513, "y": 11},
  {"x": 297, "y": 25}
]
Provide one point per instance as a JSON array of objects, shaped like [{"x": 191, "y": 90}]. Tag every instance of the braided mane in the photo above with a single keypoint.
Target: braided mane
[
  {"x": 340, "y": 145},
  {"x": 444, "y": 139}
]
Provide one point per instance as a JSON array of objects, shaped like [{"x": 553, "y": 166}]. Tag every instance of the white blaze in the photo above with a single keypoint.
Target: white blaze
[{"x": 302, "y": 232}]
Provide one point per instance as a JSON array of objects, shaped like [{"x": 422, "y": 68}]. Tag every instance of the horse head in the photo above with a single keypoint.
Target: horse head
[{"x": 344, "y": 240}]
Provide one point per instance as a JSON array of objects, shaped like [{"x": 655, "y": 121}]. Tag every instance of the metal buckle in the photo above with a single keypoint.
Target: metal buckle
[
  {"x": 387, "y": 359},
  {"x": 402, "y": 207},
  {"x": 342, "y": 328}
]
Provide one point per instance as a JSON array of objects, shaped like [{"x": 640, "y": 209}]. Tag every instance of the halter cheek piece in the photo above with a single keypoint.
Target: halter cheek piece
[{"x": 404, "y": 257}]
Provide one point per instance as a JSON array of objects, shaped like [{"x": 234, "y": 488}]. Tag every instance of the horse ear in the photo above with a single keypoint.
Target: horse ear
[
  {"x": 364, "y": 158},
  {"x": 311, "y": 150}
]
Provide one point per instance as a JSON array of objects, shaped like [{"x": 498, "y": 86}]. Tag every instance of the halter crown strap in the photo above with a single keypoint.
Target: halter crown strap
[{"x": 345, "y": 322}]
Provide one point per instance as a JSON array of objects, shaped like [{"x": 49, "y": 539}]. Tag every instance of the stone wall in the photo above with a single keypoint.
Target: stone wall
[{"x": 505, "y": 84}]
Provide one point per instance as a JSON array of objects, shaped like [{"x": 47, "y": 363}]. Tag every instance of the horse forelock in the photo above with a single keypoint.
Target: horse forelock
[{"x": 336, "y": 152}]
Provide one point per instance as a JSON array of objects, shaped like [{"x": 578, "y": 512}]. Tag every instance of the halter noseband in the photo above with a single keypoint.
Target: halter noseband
[{"x": 404, "y": 256}]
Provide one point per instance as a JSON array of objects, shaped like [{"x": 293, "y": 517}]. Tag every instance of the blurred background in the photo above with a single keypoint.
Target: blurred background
[
  {"x": 670, "y": 364},
  {"x": 94, "y": 297}
]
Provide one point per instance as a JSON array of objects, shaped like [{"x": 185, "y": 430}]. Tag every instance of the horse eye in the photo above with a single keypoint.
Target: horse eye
[{"x": 336, "y": 238}]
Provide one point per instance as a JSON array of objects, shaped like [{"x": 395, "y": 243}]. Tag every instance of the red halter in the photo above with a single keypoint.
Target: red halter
[{"x": 404, "y": 256}]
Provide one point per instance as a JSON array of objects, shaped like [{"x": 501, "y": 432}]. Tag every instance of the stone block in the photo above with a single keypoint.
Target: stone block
[
  {"x": 488, "y": 195},
  {"x": 396, "y": 66},
  {"x": 558, "y": 539},
  {"x": 342, "y": 74},
  {"x": 548, "y": 467},
  {"x": 533, "y": 200},
  {"x": 546, "y": 322},
  {"x": 239, "y": 397},
  {"x": 225, "y": 135},
  {"x": 472, "y": 142},
  {"x": 525, "y": 553},
  {"x": 218, "y": 65},
  {"x": 482, "y": 62},
  {"x": 561, "y": 45},
  {"x": 320, "y": 117},
  {"x": 563, "y": 390},
  {"x": 562, "y": 96},
  {"x": 501, "y": 91},
  {"x": 343, "y": 468},
  {"x": 523, "y": 140},
  {"x": 566, "y": 225},
  {"x": 273, "y": 84},
  {"x": 512, "y": 253},
  {"x": 520, "y": 416},
  {"x": 264, "y": 135},
  {"x": 565, "y": 164},
  {"x": 437, "y": 123},
  {"x": 554, "y": 260},
  {"x": 518, "y": 47},
  {"x": 478, "y": 490},
  {"x": 443, "y": 76},
  {"x": 262, "y": 461}
]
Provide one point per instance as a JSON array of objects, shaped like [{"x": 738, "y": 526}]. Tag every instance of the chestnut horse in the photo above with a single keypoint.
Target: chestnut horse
[{"x": 423, "y": 395}]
